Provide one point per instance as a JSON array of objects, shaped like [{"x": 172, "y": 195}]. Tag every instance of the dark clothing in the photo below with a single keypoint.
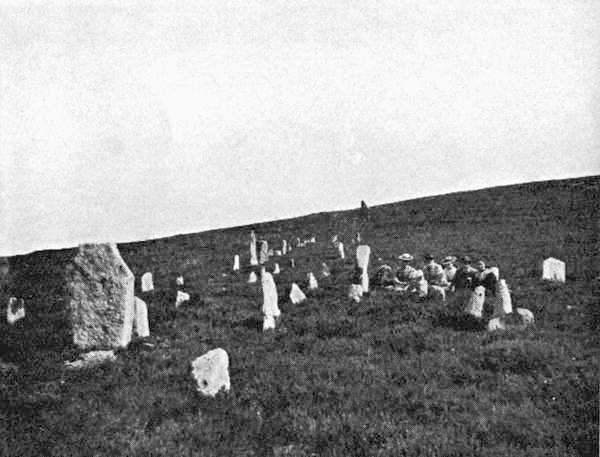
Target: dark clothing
[
  {"x": 383, "y": 276},
  {"x": 488, "y": 281},
  {"x": 463, "y": 279}
]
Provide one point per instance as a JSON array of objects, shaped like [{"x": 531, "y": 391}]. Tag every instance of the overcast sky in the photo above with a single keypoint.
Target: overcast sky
[{"x": 123, "y": 121}]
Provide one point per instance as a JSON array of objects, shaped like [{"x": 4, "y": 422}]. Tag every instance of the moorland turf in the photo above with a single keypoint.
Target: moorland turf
[{"x": 386, "y": 377}]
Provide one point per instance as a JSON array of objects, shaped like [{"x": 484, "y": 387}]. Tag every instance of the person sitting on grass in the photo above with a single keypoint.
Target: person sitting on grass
[
  {"x": 462, "y": 283},
  {"x": 383, "y": 277},
  {"x": 405, "y": 273},
  {"x": 449, "y": 268},
  {"x": 435, "y": 277}
]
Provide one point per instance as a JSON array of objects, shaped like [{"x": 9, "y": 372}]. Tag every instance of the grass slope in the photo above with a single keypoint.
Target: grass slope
[{"x": 386, "y": 377}]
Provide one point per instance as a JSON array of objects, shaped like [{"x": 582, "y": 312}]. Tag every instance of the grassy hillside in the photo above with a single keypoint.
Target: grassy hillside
[{"x": 386, "y": 377}]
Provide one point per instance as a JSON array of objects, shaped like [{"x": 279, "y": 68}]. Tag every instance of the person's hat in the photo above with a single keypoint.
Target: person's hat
[
  {"x": 405, "y": 257},
  {"x": 466, "y": 259},
  {"x": 428, "y": 257},
  {"x": 448, "y": 259}
]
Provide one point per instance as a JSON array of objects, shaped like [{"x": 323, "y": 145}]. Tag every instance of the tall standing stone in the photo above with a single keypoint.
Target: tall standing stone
[
  {"x": 253, "y": 257},
  {"x": 270, "y": 308},
  {"x": 284, "y": 247},
  {"x": 503, "y": 304},
  {"x": 147, "y": 282},
  {"x": 312, "y": 282},
  {"x": 236, "y": 263},
  {"x": 363, "y": 252},
  {"x": 264, "y": 252},
  {"x": 276, "y": 269},
  {"x": 553, "y": 270},
  {"x": 100, "y": 288},
  {"x": 340, "y": 247},
  {"x": 475, "y": 304},
  {"x": 141, "y": 326}
]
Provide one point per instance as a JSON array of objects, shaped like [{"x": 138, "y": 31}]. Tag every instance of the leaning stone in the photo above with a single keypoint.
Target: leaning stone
[
  {"x": 296, "y": 295},
  {"x": 147, "y": 283},
  {"x": 100, "y": 289},
  {"x": 140, "y": 324},
  {"x": 92, "y": 359},
  {"x": 181, "y": 298},
  {"x": 15, "y": 311},
  {"x": 211, "y": 372},
  {"x": 312, "y": 282}
]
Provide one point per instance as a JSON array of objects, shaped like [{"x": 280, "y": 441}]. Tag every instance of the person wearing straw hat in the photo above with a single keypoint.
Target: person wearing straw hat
[
  {"x": 405, "y": 274},
  {"x": 449, "y": 268}
]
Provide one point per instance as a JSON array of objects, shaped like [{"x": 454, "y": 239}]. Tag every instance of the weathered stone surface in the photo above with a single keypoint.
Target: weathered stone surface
[
  {"x": 296, "y": 295},
  {"x": 503, "y": 303},
  {"x": 253, "y": 257},
  {"x": 553, "y": 270},
  {"x": 312, "y": 282},
  {"x": 526, "y": 316},
  {"x": 181, "y": 298},
  {"x": 147, "y": 282},
  {"x": 236, "y": 263},
  {"x": 211, "y": 372},
  {"x": 92, "y": 359},
  {"x": 355, "y": 292},
  {"x": 284, "y": 247},
  {"x": 270, "y": 306},
  {"x": 15, "y": 311},
  {"x": 363, "y": 253},
  {"x": 252, "y": 278},
  {"x": 264, "y": 252},
  {"x": 496, "y": 324},
  {"x": 268, "y": 322},
  {"x": 475, "y": 303},
  {"x": 100, "y": 298},
  {"x": 141, "y": 326}
]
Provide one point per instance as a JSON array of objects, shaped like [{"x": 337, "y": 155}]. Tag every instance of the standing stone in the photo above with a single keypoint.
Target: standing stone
[
  {"x": 296, "y": 295},
  {"x": 312, "y": 282},
  {"x": 325, "y": 270},
  {"x": 278, "y": 253},
  {"x": 475, "y": 303},
  {"x": 270, "y": 309},
  {"x": 100, "y": 288},
  {"x": 313, "y": 239},
  {"x": 276, "y": 270},
  {"x": 270, "y": 253},
  {"x": 363, "y": 252},
  {"x": 15, "y": 311},
  {"x": 553, "y": 270},
  {"x": 268, "y": 322},
  {"x": 292, "y": 263},
  {"x": 334, "y": 240},
  {"x": 179, "y": 281},
  {"x": 147, "y": 282},
  {"x": 236, "y": 263},
  {"x": 355, "y": 292},
  {"x": 181, "y": 298},
  {"x": 252, "y": 278},
  {"x": 284, "y": 247},
  {"x": 340, "y": 247},
  {"x": 503, "y": 303},
  {"x": 496, "y": 324},
  {"x": 211, "y": 372},
  {"x": 264, "y": 252},
  {"x": 253, "y": 257},
  {"x": 525, "y": 315},
  {"x": 140, "y": 324}
]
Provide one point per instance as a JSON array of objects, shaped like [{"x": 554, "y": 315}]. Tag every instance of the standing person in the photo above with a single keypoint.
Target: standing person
[{"x": 463, "y": 281}]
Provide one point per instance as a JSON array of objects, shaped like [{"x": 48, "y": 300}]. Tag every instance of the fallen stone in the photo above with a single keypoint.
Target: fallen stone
[
  {"x": 100, "y": 297},
  {"x": 141, "y": 327},
  {"x": 15, "y": 311},
  {"x": 296, "y": 294},
  {"x": 211, "y": 372},
  {"x": 147, "y": 282},
  {"x": 92, "y": 359},
  {"x": 181, "y": 298},
  {"x": 503, "y": 303}
]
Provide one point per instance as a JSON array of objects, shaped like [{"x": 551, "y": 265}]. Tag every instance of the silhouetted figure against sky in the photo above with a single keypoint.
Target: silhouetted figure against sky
[{"x": 364, "y": 211}]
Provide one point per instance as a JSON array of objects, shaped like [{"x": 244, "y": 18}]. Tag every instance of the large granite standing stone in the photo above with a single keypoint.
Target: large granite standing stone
[
  {"x": 211, "y": 372},
  {"x": 100, "y": 288},
  {"x": 363, "y": 252},
  {"x": 140, "y": 324},
  {"x": 475, "y": 304},
  {"x": 253, "y": 257},
  {"x": 264, "y": 252}
]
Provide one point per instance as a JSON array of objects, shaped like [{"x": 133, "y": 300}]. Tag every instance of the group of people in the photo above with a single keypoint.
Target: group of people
[{"x": 434, "y": 279}]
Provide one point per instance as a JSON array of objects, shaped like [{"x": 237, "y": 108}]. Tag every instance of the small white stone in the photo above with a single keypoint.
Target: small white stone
[
  {"x": 526, "y": 316},
  {"x": 296, "y": 294},
  {"x": 15, "y": 311},
  {"x": 325, "y": 270},
  {"x": 252, "y": 278},
  {"x": 182, "y": 297},
  {"x": 211, "y": 372},
  {"x": 312, "y": 282},
  {"x": 475, "y": 303},
  {"x": 147, "y": 282},
  {"x": 355, "y": 292},
  {"x": 278, "y": 252},
  {"x": 179, "y": 281},
  {"x": 496, "y": 324},
  {"x": 276, "y": 269}
]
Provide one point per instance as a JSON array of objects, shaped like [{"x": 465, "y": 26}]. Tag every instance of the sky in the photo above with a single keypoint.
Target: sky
[{"x": 124, "y": 121}]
